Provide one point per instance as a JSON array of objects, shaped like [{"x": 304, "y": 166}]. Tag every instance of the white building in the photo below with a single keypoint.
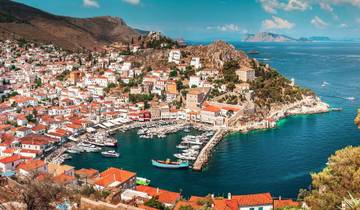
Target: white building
[
  {"x": 195, "y": 62},
  {"x": 195, "y": 81},
  {"x": 174, "y": 56}
]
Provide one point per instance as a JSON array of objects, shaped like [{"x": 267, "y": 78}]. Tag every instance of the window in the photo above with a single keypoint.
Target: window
[
  {"x": 261, "y": 208},
  {"x": 251, "y": 208}
]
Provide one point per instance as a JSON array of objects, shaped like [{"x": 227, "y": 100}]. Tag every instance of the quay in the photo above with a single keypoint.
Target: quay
[{"x": 206, "y": 151}]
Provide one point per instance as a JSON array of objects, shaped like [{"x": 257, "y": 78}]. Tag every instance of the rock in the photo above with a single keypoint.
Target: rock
[{"x": 357, "y": 119}]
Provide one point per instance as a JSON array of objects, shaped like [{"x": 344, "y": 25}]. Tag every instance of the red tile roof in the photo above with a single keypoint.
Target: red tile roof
[
  {"x": 31, "y": 165},
  {"x": 212, "y": 109},
  {"x": 64, "y": 179},
  {"x": 10, "y": 159},
  {"x": 254, "y": 199},
  {"x": 112, "y": 175},
  {"x": 164, "y": 196},
  {"x": 285, "y": 203}
]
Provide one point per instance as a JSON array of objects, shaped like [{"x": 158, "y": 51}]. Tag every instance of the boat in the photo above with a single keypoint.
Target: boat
[
  {"x": 253, "y": 52},
  {"x": 350, "y": 98},
  {"x": 336, "y": 109},
  {"x": 182, "y": 146},
  {"x": 72, "y": 151},
  {"x": 170, "y": 164},
  {"x": 142, "y": 181},
  {"x": 187, "y": 130},
  {"x": 110, "y": 153}
]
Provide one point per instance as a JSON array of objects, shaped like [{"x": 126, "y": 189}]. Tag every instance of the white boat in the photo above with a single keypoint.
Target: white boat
[
  {"x": 72, "y": 151},
  {"x": 182, "y": 146},
  {"x": 110, "y": 153}
]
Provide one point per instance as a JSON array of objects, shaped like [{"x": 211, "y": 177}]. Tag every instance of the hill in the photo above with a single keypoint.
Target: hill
[
  {"x": 21, "y": 21},
  {"x": 268, "y": 37}
]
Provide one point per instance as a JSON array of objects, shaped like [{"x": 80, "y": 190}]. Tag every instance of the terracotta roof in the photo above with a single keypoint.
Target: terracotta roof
[
  {"x": 112, "y": 175},
  {"x": 164, "y": 196},
  {"x": 212, "y": 109},
  {"x": 254, "y": 199},
  {"x": 10, "y": 159},
  {"x": 86, "y": 172},
  {"x": 285, "y": 203},
  {"x": 225, "y": 204},
  {"x": 64, "y": 179},
  {"x": 31, "y": 165}
]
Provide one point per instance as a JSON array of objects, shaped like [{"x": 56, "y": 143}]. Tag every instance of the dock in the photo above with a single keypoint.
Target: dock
[{"x": 206, "y": 151}]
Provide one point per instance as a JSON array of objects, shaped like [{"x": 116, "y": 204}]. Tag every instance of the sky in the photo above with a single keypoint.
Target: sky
[{"x": 203, "y": 20}]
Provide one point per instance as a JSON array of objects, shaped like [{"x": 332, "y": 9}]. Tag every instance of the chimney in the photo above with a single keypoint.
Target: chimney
[
  {"x": 212, "y": 196},
  {"x": 157, "y": 190},
  {"x": 229, "y": 196},
  {"x": 280, "y": 198}
]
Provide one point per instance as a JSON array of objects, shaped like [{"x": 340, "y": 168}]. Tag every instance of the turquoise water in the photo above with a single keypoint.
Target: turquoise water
[{"x": 277, "y": 160}]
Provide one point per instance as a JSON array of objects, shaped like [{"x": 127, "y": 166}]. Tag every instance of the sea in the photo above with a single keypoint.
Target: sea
[{"x": 280, "y": 160}]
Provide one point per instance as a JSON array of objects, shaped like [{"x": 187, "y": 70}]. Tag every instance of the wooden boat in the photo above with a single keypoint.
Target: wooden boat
[{"x": 169, "y": 164}]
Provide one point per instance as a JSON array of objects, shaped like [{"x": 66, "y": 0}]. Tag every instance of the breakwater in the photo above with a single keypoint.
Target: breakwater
[{"x": 206, "y": 151}]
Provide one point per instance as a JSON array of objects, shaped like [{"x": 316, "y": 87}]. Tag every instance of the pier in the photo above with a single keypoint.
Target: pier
[{"x": 206, "y": 151}]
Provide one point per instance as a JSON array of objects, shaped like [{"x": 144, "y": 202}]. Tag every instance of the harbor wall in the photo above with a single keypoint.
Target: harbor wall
[{"x": 206, "y": 151}]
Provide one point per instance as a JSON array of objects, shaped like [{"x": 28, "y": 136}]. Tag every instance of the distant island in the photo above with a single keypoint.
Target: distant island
[{"x": 273, "y": 37}]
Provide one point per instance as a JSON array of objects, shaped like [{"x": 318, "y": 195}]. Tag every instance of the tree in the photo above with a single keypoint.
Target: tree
[
  {"x": 38, "y": 82},
  {"x": 155, "y": 203},
  {"x": 229, "y": 70},
  {"x": 173, "y": 73},
  {"x": 339, "y": 178},
  {"x": 186, "y": 207}
]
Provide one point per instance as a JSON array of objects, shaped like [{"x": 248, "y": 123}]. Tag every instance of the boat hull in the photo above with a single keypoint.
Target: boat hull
[{"x": 170, "y": 166}]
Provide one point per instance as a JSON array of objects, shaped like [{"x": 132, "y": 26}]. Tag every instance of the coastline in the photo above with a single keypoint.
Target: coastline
[{"x": 306, "y": 106}]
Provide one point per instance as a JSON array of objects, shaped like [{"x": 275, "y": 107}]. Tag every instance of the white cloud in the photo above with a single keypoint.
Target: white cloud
[
  {"x": 343, "y": 25},
  {"x": 277, "y": 23},
  {"x": 271, "y": 6},
  {"x": 318, "y": 22},
  {"x": 227, "y": 28},
  {"x": 91, "y": 3},
  {"x": 133, "y": 2},
  {"x": 301, "y": 5},
  {"x": 326, "y": 6}
]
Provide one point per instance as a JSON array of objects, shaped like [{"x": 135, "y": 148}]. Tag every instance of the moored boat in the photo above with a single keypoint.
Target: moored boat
[
  {"x": 170, "y": 164},
  {"x": 142, "y": 181},
  {"x": 110, "y": 153}
]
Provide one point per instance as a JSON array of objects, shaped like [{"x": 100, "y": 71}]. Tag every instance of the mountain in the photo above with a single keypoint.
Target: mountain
[
  {"x": 21, "y": 21},
  {"x": 268, "y": 37}
]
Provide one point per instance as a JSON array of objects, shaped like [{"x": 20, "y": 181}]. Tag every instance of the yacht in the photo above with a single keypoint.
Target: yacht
[{"x": 110, "y": 153}]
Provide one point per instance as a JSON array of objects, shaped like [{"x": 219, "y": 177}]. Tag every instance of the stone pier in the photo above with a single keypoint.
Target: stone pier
[{"x": 206, "y": 151}]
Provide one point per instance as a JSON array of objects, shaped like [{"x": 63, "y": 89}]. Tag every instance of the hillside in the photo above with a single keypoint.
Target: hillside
[
  {"x": 268, "y": 37},
  {"x": 21, "y": 21}
]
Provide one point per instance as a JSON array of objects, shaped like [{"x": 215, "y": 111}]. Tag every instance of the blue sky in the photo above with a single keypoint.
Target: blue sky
[{"x": 221, "y": 19}]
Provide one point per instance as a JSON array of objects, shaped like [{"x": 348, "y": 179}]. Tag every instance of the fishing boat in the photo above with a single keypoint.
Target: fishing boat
[
  {"x": 142, "y": 181},
  {"x": 169, "y": 164},
  {"x": 110, "y": 153}
]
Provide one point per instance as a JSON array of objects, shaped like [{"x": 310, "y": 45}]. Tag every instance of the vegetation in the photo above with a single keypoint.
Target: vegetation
[
  {"x": 229, "y": 71},
  {"x": 332, "y": 185},
  {"x": 162, "y": 42},
  {"x": 63, "y": 76},
  {"x": 135, "y": 98},
  {"x": 186, "y": 207},
  {"x": 155, "y": 203},
  {"x": 36, "y": 194},
  {"x": 271, "y": 87}
]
